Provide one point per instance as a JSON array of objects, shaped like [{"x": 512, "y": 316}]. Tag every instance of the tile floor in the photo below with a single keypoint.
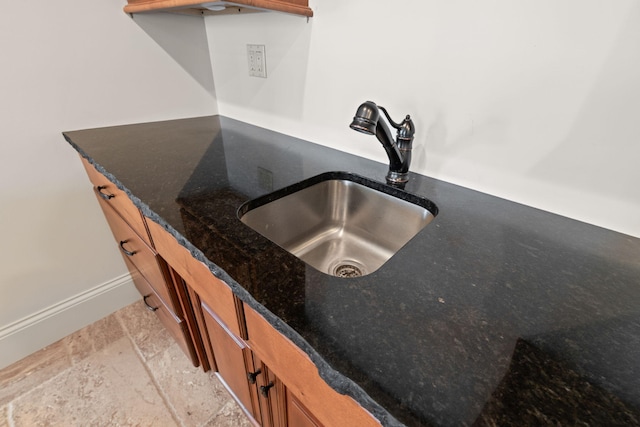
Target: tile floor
[{"x": 124, "y": 370}]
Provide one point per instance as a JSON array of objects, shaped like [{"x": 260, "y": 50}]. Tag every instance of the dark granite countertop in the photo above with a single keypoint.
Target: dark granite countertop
[{"x": 495, "y": 314}]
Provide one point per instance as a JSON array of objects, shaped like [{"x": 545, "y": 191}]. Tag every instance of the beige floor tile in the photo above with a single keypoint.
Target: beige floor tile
[
  {"x": 4, "y": 420},
  {"x": 94, "y": 337},
  {"x": 95, "y": 377},
  {"x": 196, "y": 396},
  {"x": 110, "y": 387},
  {"x": 145, "y": 330},
  {"x": 229, "y": 416},
  {"x": 33, "y": 370}
]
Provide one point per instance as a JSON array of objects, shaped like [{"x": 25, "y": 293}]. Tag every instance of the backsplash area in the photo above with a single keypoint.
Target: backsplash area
[{"x": 533, "y": 102}]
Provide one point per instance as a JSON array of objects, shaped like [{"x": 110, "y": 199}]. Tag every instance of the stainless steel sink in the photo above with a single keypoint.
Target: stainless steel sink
[{"x": 340, "y": 223}]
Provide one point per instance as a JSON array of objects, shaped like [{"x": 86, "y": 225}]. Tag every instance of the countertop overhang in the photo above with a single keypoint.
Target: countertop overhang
[{"x": 495, "y": 312}]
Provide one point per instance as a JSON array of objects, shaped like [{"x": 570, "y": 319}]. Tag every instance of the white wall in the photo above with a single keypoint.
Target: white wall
[
  {"x": 534, "y": 101},
  {"x": 73, "y": 64}
]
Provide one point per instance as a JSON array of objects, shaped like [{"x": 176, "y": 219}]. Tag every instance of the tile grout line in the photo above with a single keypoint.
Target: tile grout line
[
  {"x": 76, "y": 359},
  {"x": 73, "y": 361},
  {"x": 218, "y": 412},
  {"x": 155, "y": 383},
  {"x": 50, "y": 378},
  {"x": 159, "y": 388},
  {"x": 73, "y": 364},
  {"x": 10, "y": 414}
]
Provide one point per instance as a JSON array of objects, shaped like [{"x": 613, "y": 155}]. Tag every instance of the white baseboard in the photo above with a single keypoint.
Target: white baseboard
[{"x": 38, "y": 330}]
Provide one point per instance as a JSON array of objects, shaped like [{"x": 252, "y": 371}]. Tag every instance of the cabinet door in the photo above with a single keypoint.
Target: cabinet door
[
  {"x": 297, "y": 414},
  {"x": 278, "y": 406},
  {"x": 269, "y": 393},
  {"x": 229, "y": 354}
]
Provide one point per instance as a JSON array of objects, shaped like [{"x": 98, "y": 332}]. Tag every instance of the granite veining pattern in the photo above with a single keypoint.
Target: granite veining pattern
[{"x": 434, "y": 336}]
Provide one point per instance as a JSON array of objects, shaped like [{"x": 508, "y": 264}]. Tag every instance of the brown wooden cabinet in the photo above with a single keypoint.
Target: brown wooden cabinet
[
  {"x": 296, "y": 7},
  {"x": 308, "y": 398},
  {"x": 279, "y": 407},
  {"x": 276, "y": 384},
  {"x": 255, "y": 386},
  {"x": 148, "y": 271},
  {"x": 227, "y": 354}
]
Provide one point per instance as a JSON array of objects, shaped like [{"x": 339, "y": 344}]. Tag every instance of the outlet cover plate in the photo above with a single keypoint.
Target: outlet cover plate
[{"x": 256, "y": 55}]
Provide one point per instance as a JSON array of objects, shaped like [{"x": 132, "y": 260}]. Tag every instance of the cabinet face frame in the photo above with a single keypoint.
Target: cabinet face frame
[
  {"x": 191, "y": 318},
  {"x": 197, "y": 275},
  {"x": 300, "y": 375}
]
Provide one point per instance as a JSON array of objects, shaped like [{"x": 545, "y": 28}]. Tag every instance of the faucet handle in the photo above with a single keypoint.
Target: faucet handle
[{"x": 406, "y": 129}]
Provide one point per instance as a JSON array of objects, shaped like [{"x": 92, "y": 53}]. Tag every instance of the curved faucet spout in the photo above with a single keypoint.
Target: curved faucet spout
[
  {"x": 396, "y": 158},
  {"x": 367, "y": 120}
]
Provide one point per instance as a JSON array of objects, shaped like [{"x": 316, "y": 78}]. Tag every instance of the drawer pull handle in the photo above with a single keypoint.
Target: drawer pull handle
[
  {"x": 264, "y": 389},
  {"x": 105, "y": 196},
  {"x": 251, "y": 376},
  {"x": 149, "y": 307},
  {"x": 126, "y": 252}
]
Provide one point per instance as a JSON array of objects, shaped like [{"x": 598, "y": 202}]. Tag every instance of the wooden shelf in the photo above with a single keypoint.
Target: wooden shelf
[{"x": 219, "y": 7}]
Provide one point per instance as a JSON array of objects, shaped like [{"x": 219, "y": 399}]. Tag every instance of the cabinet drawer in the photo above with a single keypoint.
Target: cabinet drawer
[
  {"x": 143, "y": 258},
  {"x": 176, "y": 327},
  {"x": 229, "y": 353},
  {"x": 214, "y": 291},
  {"x": 300, "y": 376},
  {"x": 109, "y": 194}
]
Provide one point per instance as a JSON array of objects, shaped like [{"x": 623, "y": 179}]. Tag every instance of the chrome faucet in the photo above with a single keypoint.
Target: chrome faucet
[{"x": 367, "y": 120}]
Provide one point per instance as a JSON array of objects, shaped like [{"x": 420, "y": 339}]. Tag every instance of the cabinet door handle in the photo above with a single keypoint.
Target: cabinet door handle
[
  {"x": 105, "y": 196},
  {"x": 264, "y": 389},
  {"x": 126, "y": 252},
  {"x": 251, "y": 376},
  {"x": 149, "y": 307}
]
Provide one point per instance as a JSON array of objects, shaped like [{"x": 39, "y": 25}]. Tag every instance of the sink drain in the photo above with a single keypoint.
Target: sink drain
[{"x": 347, "y": 270}]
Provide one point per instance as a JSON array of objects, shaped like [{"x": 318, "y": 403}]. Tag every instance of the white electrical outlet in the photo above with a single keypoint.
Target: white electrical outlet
[{"x": 257, "y": 58}]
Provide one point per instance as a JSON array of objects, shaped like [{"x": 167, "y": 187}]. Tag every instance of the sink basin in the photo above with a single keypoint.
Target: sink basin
[{"x": 339, "y": 223}]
